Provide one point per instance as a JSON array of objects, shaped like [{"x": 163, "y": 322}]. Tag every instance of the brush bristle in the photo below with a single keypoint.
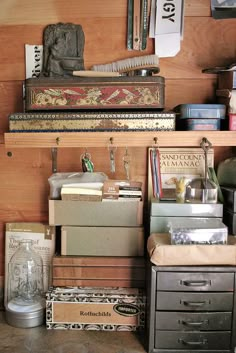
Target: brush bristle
[{"x": 137, "y": 62}]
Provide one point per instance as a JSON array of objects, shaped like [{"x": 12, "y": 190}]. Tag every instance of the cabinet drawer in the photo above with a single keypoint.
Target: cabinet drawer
[
  {"x": 194, "y": 301},
  {"x": 195, "y": 281},
  {"x": 220, "y": 321},
  {"x": 192, "y": 340}
]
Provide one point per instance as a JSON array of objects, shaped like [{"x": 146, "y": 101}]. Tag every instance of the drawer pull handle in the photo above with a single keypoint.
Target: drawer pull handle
[
  {"x": 196, "y": 304},
  {"x": 194, "y": 323},
  {"x": 193, "y": 343},
  {"x": 195, "y": 283}
]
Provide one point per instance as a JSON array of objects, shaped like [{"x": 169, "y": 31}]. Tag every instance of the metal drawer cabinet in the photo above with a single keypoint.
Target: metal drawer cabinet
[{"x": 191, "y": 309}]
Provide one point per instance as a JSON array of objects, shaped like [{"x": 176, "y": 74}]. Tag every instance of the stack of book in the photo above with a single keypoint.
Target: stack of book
[
  {"x": 122, "y": 190},
  {"x": 82, "y": 192}
]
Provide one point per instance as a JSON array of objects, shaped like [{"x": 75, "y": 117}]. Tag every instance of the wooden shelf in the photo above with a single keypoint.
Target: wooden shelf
[{"x": 119, "y": 139}]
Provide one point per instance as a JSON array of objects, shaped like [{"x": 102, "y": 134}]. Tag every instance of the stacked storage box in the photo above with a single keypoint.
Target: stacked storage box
[
  {"x": 163, "y": 212},
  {"x": 102, "y": 260}
]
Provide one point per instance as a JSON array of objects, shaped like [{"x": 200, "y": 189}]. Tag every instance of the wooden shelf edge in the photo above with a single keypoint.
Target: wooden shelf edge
[{"x": 119, "y": 139}]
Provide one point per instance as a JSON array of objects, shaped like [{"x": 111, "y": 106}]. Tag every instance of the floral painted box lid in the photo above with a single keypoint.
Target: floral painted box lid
[{"x": 94, "y": 93}]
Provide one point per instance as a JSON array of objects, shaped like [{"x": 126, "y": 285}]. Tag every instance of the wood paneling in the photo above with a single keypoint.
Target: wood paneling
[
  {"x": 199, "y": 50},
  {"x": 197, "y": 8},
  {"x": 15, "y": 12}
]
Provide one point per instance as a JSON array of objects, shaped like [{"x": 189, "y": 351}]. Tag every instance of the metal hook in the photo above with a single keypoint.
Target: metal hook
[
  {"x": 205, "y": 144},
  {"x": 156, "y": 144},
  {"x": 54, "y": 159}
]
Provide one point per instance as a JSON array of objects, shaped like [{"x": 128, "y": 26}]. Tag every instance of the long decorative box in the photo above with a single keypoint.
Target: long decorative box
[
  {"x": 99, "y": 271},
  {"x": 94, "y": 93},
  {"x": 91, "y": 121},
  {"x": 106, "y": 309}
]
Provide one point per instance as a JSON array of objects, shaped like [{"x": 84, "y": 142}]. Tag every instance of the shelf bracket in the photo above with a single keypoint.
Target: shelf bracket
[{"x": 54, "y": 159}]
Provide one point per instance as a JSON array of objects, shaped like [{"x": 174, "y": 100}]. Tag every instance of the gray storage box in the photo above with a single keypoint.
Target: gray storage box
[
  {"x": 96, "y": 213},
  {"x": 174, "y": 209},
  {"x": 162, "y": 212},
  {"x": 102, "y": 241}
]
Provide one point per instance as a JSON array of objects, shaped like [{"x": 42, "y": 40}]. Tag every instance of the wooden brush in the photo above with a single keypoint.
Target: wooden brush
[{"x": 149, "y": 62}]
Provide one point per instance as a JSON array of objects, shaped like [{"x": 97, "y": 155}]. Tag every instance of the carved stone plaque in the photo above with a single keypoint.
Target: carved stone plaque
[{"x": 63, "y": 49}]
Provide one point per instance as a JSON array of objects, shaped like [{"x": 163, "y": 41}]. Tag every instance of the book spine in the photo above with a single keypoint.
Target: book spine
[
  {"x": 78, "y": 197},
  {"x": 81, "y": 191},
  {"x": 130, "y": 192},
  {"x": 130, "y": 197},
  {"x": 131, "y": 188}
]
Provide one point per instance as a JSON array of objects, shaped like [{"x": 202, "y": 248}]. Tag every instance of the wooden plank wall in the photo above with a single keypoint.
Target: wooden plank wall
[{"x": 24, "y": 172}]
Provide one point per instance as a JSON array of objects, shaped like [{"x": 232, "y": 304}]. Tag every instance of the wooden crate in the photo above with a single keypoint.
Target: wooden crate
[{"x": 99, "y": 271}]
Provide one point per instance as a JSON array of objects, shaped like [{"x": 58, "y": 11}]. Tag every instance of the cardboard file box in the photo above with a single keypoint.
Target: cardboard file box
[
  {"x": 103, "y": 309},
  {"x": 98, "y": 271},
  {"x": 89, "y": 213},
  {"x": 102, "y": 241}
]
